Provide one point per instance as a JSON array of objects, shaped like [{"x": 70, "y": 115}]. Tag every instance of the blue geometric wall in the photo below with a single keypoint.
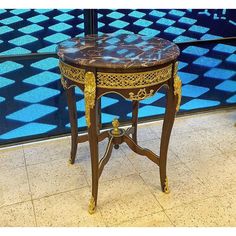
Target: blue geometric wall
[
  {"x": 33, "y": 103},
  {"x": 175, "y": 25},
  {"x": 25, "y": 31}
]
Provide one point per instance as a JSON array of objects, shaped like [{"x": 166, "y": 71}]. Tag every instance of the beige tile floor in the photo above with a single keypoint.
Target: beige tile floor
[{"x": 39, "y": 188}]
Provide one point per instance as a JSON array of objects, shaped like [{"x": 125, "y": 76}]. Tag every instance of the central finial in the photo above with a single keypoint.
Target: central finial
[{"x": 115, "y": 124}]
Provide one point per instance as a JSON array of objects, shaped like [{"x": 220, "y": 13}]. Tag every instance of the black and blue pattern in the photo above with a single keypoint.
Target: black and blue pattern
[{"x": 33, "y": 103}]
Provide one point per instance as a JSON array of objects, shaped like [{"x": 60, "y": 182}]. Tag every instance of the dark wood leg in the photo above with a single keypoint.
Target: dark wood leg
[
  {"x": 135, "y": 106},
  {"x": 99, "y": 115},
  {"x": 70, "y": 93},
  {"x": 93, "y": 144},
  {"x": 165, "y": 136}
]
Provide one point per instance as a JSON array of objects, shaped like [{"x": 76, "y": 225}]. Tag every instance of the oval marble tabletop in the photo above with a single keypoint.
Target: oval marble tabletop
[{"x": 117, "y": 51}]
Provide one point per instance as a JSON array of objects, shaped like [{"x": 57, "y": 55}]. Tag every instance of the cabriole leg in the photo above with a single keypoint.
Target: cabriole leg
[
  {"x": 135, "y": 106},
  {"x": 173, "y": 103},
  {"x": 93, "y": 144},
  {"x": 70, "y": 93}
]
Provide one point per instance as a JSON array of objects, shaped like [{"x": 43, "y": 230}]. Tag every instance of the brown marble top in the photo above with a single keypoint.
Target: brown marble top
[{"x": 117, "y": 51}]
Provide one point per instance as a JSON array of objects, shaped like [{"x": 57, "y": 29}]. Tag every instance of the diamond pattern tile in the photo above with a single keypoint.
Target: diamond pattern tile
[
  {"x": 38, "y": 18},
  {"x": 22, "y": 40},
  {"x": 224, "y": 48},
  {"x": 219, "y": 73},
  {"x": 37, "y": 95},
  {"x": 11, "y": 20},
  {"x": 199, "y": 103},
  {"x": 36, "y": 30},
  {"x": 228, "y": 86},
  {"x": 42, "y": 78},
  {"x": 2, "y": 99},
  {"x": 42, "y": 11},
  {"x": 196, "y": 51},
  {"x": 19, "y": 11},
  {"x": 56, "y": 38},
  {"x": 115, "y": 15},
  {"x": 149, "y": 111},
  {"x": 207, "y": 61},
  {"x": 46, "y": 64},
  {"x": 5, "y": 29},
  {"x": 198, "y": 29},
  {"x": 9, "y": 66},
  {"x": 165, "y": 21},
  {"x": 5, "y": 82},
  {"x": 175, "y": 30},
  {"x": 60, "y": 27},
  {"x": 15, "y": 51},
  {"x": 231, "y": 58},
  {"x": 187, "y": 77},
  {"x": 63, "y": 17},
  {"x": 232, "y": 99},
  {"x": 193, "y": 90},
  {"x": 28, "y": 130},
  {"x": 31, "y": 113},
  {"x": 31, "y": 29},
  {"x": 119, "y": 24}
]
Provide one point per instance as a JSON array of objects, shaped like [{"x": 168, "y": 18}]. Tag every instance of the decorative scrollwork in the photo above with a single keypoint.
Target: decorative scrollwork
[
  {"x": 177, "y": 90},
  {"x": 133, "y": 80},
  {"x": 142, "y": 94},
  {"x": 64, "y": 82},
  {"x": 89, "y": 94},
  {"x": 65, "y": 85},
  {"x": 71, "y": 72},
  {"x": 119, "y": 80}
]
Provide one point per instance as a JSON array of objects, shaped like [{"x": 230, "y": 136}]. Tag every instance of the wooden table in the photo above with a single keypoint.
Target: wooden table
[{"x": 133, "y": 66}]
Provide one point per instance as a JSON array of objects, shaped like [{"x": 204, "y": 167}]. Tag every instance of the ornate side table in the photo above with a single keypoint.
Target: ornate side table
[{"x": 133, "y": 66}]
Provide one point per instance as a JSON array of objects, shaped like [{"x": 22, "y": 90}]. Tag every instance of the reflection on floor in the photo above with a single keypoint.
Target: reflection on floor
[{"x": 39, "y": 188}]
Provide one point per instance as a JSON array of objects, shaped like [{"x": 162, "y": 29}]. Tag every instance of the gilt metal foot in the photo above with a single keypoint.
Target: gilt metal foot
[
  {"x": 70, "y": 162},
  {"x": 92, "y": 206},
  {"x": 166, "y": 187}
]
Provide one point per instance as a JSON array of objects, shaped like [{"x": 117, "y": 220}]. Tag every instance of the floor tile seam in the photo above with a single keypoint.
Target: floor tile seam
[
  {"x": 48, "y": 161},
  {"x": 69, "y": 165},
  {"x": 210, "y": 127},
  {"x": 210, "y": 156},
  {"x": 110, "y": 180},
  {"x": 190, "y": 203},
  {"x": 27, "y": 174},
  {"x": 212, "y": 142},
  {"x": 58, "y": 193},
  {"x": 152, "y": 193},
  {"x": 132, "y": 218},
  {"x": 6, "y": 169},
  {"x": 136, "y": 171},
  {"x": 138, "y": 217},
  {"x": 199, "y": 180},
  {"x": 206, "y": 197},
  {"x": 173, "y": 225},
  {"x": 197, "y": 201},
  {"x": 130, "y": 195},
  {"x": 168, "y": 166},
  {"x": 15, "y": 203}
]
